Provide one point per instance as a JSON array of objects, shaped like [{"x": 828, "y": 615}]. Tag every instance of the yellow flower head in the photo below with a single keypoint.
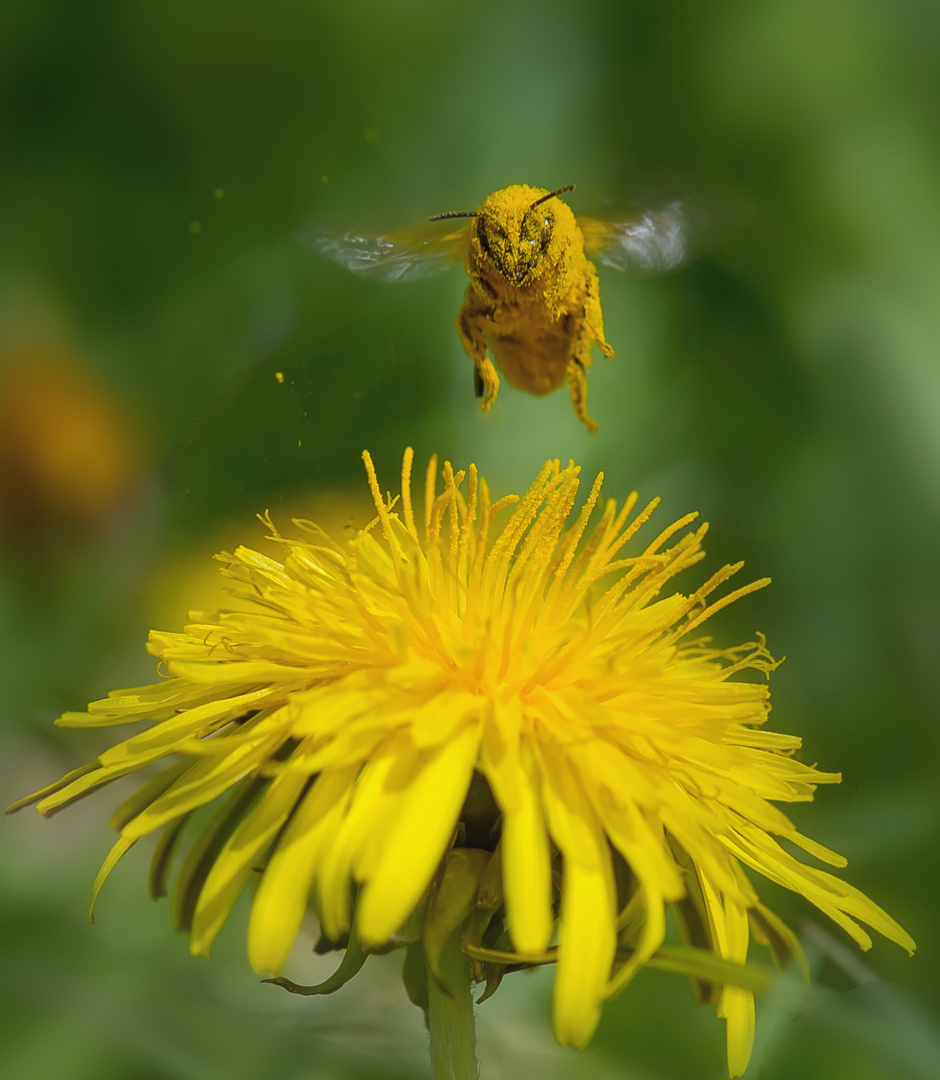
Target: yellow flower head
[{"x": 490, "y": 719}]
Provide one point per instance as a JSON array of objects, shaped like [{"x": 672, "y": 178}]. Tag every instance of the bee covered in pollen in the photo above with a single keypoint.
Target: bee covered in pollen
[{"x": 533, "y": 301}]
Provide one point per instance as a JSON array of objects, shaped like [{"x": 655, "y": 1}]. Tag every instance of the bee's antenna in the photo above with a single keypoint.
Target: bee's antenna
[
  {"x": 454, "y": 213},
  {"x": 552, "y": 194}
]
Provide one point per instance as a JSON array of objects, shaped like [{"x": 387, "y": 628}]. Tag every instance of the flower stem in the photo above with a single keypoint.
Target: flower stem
[{"x": 450, "y": 1018}]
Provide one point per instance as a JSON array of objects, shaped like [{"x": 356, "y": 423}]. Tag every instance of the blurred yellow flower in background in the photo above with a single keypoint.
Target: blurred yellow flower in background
[
  {"x": 71, "y": 449},
  {"x": 496, "y": 697}
]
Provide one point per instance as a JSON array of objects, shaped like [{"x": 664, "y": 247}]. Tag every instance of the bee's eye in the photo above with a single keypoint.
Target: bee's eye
[
  {"x": 538, "y": 233},
  {"x": 491, "y": 234},
  {"x": 483, "y": 234}
]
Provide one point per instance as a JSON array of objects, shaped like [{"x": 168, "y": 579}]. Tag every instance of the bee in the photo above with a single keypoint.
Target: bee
[{"x": 533, "y": 300}]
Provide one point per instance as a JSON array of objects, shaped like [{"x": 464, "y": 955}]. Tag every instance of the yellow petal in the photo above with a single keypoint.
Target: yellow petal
[
  {"x": 587, "y": 939},
  {"x": 202, "y": 783},
  {"x": 527, "y": 870},
  {"x": 729, "y": 923},
  {"x": 121, "y": 847},
  {"x": 422, "y": 828},
  {"x": 281, "y": 900},
  {"x": 586, "y": 948},
  {"x": 365, "y": 820},
  {"x": 243, "y": 850}
]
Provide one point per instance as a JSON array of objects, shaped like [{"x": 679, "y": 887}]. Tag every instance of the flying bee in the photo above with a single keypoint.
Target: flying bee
[{"x": 533, "y": 300}]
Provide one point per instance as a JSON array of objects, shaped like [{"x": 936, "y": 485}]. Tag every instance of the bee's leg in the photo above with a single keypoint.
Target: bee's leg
[
  {"x": 485, "y": 379},
  {"x": 594, "y": 316},
  {"x": 577, "y": 388},
  {"x": 588, "y": 331}
]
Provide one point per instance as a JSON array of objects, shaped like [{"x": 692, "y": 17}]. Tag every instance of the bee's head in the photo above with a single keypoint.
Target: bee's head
[{"x": 514, "y": 232}]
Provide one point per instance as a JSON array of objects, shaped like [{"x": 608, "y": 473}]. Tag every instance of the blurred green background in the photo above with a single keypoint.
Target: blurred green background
[{"x": 157, "y": 160}]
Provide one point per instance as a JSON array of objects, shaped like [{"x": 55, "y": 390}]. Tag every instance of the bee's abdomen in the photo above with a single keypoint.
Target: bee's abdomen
[{"x": 534, "y": 359}]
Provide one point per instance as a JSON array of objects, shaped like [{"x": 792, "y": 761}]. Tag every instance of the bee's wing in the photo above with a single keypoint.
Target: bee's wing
[
  {"x": 404, "y": 256},
  {"x": 657, "y": 240}
]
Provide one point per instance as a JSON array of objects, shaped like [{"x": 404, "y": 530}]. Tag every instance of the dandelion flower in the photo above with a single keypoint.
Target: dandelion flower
[{"x": 490, "y": 720}]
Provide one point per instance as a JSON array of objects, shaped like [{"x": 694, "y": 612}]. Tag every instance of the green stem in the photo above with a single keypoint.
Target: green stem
[{"x": 450, "y": 1018}]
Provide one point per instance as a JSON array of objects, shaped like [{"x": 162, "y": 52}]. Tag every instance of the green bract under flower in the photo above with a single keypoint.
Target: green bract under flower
[{"x": 490, "y": 721}]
